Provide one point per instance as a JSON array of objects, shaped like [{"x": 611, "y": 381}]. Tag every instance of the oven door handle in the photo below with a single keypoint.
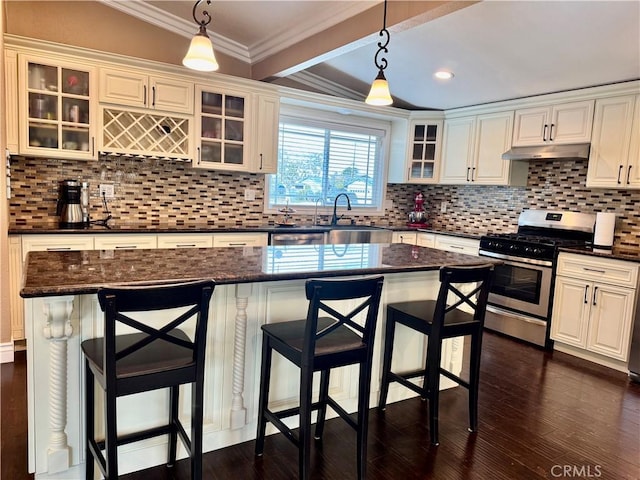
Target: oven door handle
[{"x": 522, "y": 260}]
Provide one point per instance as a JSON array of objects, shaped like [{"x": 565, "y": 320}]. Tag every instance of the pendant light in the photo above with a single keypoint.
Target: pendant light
[
  {"x": 379, "y": 93},
  {"x": 200, "y": 55}
]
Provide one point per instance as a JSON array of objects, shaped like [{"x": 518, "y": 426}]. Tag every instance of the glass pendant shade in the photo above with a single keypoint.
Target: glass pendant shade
[
  {"x": 200, "y": 55},
  {"x": 379, "y": 93}
]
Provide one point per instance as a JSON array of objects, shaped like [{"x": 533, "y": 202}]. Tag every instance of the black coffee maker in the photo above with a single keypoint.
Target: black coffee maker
[{"x": 70, "y": 209}]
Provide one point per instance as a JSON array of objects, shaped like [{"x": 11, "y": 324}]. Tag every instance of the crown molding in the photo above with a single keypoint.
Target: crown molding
[
  {"x": 160, "y": 18},
  {"x": 323, "y": 85},
  {"x": 262, "y": 49},
  {"x": 290, "y": 35}
]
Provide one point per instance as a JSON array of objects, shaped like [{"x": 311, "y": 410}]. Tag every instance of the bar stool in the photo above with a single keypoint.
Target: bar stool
[
  {"x": 320, "y": 344},
  {"x": 148, "y": 359},
  {"x": 440, "y": 319}
]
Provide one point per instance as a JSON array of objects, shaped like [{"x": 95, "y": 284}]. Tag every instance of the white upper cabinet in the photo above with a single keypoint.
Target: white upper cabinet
[
  {"x": 139, "y": 89},
  {"x": 554, "y": 124},
  {"x": 416, "y": 145},
  {"x": 222, "y": 127},
  {"x": 457, "y": 150},
  {"x": 614, "y": 160},
  {"x": 56, "y": 108},
  {"x": 264, "y": 156},
  {"x": 473, "y": 148},
  {"x": 423, "y": 157}
]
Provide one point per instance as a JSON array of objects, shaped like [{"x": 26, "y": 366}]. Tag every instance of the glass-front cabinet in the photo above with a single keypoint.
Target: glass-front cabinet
[
  {"x": 424, "y": 151},
  {"x": 56, "y": 109},
  {"x": 222, "y": 120}
]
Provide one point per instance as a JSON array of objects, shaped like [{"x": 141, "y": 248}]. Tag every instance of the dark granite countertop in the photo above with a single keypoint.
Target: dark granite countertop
[
  {"x": 83, "y": 272},
  {"x": 617, "y": 252},
  {"x": 54, "y": 229}
]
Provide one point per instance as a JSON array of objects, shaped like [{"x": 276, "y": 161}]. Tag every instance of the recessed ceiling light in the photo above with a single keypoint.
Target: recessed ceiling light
[{"x": 443, "y": 75}]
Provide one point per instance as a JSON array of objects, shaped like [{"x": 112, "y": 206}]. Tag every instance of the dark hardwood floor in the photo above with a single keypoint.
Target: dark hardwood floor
[{"x": 542, "y": 415}]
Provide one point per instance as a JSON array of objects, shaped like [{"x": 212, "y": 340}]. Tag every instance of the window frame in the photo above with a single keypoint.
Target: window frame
[{"x": 335, "y": 121}]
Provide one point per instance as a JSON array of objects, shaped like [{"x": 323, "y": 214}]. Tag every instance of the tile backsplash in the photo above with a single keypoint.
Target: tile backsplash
[{"x": 172, "y": 193}]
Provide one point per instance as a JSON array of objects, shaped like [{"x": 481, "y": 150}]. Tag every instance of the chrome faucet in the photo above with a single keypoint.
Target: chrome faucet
[{"x": 335, "y": 218}]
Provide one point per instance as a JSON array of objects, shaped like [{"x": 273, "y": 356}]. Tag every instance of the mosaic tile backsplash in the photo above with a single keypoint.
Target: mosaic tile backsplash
[{"x": 172, "y": 193}]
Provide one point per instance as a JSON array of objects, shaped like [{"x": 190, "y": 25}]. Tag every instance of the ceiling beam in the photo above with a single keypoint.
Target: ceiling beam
[{"x": 360, "y": 30}]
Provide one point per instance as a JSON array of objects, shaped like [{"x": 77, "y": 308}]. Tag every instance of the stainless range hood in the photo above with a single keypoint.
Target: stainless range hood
[{"x": 572, "y": 151}]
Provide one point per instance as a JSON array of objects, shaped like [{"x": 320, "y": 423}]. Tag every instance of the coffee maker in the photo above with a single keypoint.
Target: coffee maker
[{"x": 73, "y": 204}]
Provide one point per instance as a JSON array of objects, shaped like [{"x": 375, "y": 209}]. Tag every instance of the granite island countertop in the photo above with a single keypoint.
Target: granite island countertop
[{"x": 84, "y": 272}]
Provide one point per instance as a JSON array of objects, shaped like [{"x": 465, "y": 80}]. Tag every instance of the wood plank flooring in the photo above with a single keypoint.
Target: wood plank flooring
[{"x": 542, "y": 415}]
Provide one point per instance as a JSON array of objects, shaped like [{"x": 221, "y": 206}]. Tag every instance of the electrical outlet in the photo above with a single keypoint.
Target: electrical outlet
[
  {"x": 106, "y": 190},
  {"x": 249, "y": 194},
  {"x": 443, "y": 207}
]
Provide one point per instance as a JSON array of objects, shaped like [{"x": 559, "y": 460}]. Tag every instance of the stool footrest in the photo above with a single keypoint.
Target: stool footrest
[
  {"x": 137, "y": 436},
  {"x": 455, "y": 378},
  {"x": 342, "y": 412},
  {"x": 402, "y": 379}
]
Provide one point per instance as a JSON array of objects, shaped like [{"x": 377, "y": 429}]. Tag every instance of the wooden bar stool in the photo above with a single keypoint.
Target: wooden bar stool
[
  {"x": 441, "y": 319},
  {"x": 149, "y": 359},
  {"x": 320, "y": 344}
]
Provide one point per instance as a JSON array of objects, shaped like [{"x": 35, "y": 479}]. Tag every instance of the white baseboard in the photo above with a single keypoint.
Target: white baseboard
[{"x": 6, "y": 352}]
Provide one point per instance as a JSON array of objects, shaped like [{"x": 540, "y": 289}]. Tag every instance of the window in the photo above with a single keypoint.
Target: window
[{"x": 318, "y": 160}]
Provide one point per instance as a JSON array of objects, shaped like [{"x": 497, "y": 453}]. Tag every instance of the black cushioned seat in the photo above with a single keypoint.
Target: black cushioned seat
[
  {"x": 441, "y": 319},
  {"x": 320, "y": 344},
  {"x": 154, "y": 357}
]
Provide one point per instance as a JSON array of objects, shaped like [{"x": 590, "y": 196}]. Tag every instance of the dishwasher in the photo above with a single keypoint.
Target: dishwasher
[{"x": 296, "y": 238}]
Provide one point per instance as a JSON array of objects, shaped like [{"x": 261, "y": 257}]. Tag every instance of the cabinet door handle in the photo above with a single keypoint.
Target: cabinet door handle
[
  {"x": 619, "y": 172},
  {"x": 126, "y": 247},
  {"x": 198, "y": 155},
  {"x": 239, "y": 244},
  {"x": 586, "y": 292},
  {"x": 544, "y": 133},
  {"x": 595, "y": 292},
  {"x": 144, "y": 94},
  {"x": 629, "y": 175},
  {"x": 153, "y": 96},
  {"x": 185, "y": 245},
  {"x": 260, "y": 161},
  {"x": 58, "y": 249},
  {"x": 473, "y": 174},
  {"x": 457, "y": 247},
  {"x": 468, "y": 170},
  {"x": 551, "y": 132}
]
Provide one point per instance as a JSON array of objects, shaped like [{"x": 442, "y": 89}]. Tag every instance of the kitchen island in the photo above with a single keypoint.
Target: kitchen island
[{"x": 256, "y": 285}]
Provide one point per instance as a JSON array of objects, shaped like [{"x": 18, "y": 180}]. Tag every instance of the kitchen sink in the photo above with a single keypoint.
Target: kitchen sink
[{"x": 339, "y": 234}]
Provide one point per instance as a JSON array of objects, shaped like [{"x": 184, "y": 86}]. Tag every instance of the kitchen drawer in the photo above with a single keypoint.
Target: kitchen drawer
[
  {"x": 240, "y": 240},
  {"x": 457, "y": 244},
  {"x": 40, "y": 243},
  {"x": 125, "y": 242},
  {"x": 180, "y": 240},
  {"x": 611, "y": 271},
  {"x": 409, "y": 237},
  {"x": 426, "y": 240}
]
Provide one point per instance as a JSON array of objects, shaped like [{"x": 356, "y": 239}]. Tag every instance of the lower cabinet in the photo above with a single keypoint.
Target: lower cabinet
[
  {"x": 409, "y": 237},
  {"x": 594, "y": 303},
  {"x": 468, "y": 246},
  {"x": 240, "y": 240}
]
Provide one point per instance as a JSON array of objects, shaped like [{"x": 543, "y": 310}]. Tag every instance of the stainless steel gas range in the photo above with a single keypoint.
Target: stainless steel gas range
[{"x": 520, "y": 298}]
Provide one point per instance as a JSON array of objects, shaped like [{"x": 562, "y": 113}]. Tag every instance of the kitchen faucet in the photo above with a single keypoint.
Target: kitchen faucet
[{"x": 335, "y": 218}]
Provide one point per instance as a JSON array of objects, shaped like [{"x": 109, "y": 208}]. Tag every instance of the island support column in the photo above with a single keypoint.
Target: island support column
[
  {"x": 58, "y": 330},
  {"x": 238, "y": 410}
]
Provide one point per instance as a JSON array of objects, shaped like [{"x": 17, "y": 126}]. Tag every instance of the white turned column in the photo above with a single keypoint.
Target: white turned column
[
  {"x": 57, "y": 330},
  {"x": 238, "y": 410}
]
